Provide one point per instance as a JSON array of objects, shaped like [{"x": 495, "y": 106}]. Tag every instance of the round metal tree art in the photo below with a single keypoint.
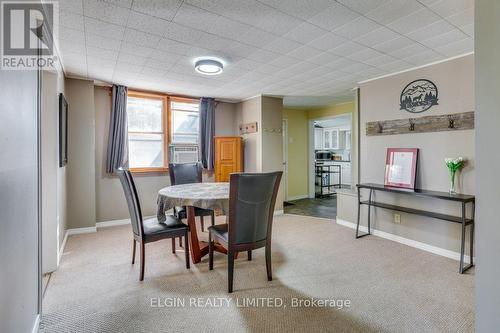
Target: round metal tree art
[{"x": 418, "y": 96}]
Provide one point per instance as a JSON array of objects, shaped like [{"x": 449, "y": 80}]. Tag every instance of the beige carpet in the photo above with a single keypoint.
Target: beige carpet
[{"x": 391, "y": 287}]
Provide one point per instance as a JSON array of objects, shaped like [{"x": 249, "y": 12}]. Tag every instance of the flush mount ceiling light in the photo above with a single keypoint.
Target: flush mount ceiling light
[{"x": 208, "y": 66}]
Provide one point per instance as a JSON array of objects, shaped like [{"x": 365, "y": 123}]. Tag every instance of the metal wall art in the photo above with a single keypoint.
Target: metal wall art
[
  {"x": 418, "y": 96},
  {"x": 248, "y": 128}
]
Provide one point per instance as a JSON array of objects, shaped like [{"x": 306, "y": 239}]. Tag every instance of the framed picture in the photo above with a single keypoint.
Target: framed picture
[
  {"x": 401, "y": 167},
  {"x": 63, "y": 131}
]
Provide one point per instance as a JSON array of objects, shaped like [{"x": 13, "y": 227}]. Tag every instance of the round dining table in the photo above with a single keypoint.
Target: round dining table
[{"x": 214, "y": 196}]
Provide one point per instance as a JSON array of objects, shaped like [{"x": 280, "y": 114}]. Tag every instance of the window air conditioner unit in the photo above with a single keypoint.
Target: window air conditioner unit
[{"x": 183, "y": 154}]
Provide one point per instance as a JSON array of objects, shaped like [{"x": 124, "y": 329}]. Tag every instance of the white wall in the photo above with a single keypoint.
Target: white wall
[
  {"x": 487, "y": 43},
  {"x": 380, "y": 101}
]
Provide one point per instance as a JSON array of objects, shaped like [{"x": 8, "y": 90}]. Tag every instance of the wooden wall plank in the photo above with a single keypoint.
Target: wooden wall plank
[{"x": 447, "y": 122}]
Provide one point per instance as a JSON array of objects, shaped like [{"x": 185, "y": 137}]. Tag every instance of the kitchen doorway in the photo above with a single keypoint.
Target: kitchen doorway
[{"x": 330, "y": 141}]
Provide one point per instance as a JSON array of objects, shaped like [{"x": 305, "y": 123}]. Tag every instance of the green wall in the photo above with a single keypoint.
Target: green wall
[{"x": 298, "y": 143}]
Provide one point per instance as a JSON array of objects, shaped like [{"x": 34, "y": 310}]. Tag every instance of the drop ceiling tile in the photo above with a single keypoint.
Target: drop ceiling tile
[
  {"x": 304, "y": 52},
  {"x": 76, "y": 36},
  {"x": 323, "y": 58},
  {"x": 172, "y": 46},
  {"x": 165, "y": 56},
  {"x": 276, "y": 22},
  {"x": 73, "y": 6},
  {"x": 299, "y": 8},
  {"x": 333, "y": 17},
  {"x": 121, "y": 3},
  {"x": 395, "y": 66},
  {"x": 443, "y": 39},
  {"x": 447, "y": 8},
  {"x": 423, "y": 58},
  {"x": 68, "y": 46},
  {"x": 431, "y": 30},
  {"x": 356, "y": 28},
  {"x": 104, "y": 29},
  {"x": 377, "y": 36},
  {"x": 356, "y": 67},
  {"x": 282, "y": 46},
  {"x": 125, "y": 58},
  {"x": 126, "y": 66},
  {"x": 135, "y": 49},
  {"x": 380, "y": 60},
  {"x": 165, "y": 9},
  {"x": 347, "y": 49},
  {"x": 305, "y": 32},
  {"x": 263, "y": 56},
  {"x": 195, "y": 17},
  {"x": 327, "y": 42},
  {"x": 105, "y": 12},
  {"x": 149, "y": 24},
  {"x": 393, "y": 45},
  {"x": 468, "y": 29},
  {"x": 283, "y": 61},
  {"x": 141, "y": 38},
  {"x": 408, "y": 51},
  {"x": 392, "y": 10},
  {"x": 462, "y": 18},
  {"x": 414, "y": 21},
  {"x": 364, "y": 55},
  {"x": 459, "y": 47},
  {"x": 257, "y": 37},
  {"x": 103, "y": 42},
  {"x": 100, "y": 63},
  {"x": 101, "y": 53},
  {"x": 362, "y": 6},
  {"x": 228, "y": 28},
  {"x": 238, "y": 50},
  {"x": 213, "y": 42},
  {"x": 71, "y": 20},
  {"x": 182, "y": 34},
  {"x": 159, "y": 65}
]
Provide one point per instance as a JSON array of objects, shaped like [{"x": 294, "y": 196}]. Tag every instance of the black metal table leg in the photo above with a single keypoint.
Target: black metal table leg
[
  {"x": 462, "y": 242},
  {"x": 359, "y": 216}
]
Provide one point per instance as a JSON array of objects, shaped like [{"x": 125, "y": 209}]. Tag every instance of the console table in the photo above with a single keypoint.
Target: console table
[{"x": 463, "y": 199}]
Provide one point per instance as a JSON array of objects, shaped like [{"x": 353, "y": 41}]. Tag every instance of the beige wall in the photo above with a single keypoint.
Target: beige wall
[
  {"x": 380, "y": 101},
  {"x": 298, "y": 148},
  {"x": 247, "y": 112},
  {"x": 81, "y": 154}
]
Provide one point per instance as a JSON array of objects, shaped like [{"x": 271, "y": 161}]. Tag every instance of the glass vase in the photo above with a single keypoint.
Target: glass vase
[{"x": 452, "y": 182}]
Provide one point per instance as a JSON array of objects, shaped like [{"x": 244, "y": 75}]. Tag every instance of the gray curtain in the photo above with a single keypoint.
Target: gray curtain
[
  {"x": 117, "y": 153},
  {"x": 207, "y": 132}
]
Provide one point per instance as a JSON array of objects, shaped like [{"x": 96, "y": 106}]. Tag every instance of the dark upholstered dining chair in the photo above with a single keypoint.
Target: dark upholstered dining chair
[
  {"x": 186, "y": 173},
  {"x": 150, "y": 230},
  {"x": 252, "y": 197}
]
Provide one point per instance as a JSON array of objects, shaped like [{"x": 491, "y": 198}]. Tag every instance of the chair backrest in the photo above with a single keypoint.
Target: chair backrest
[
  {"x": 133, "y": 204},
  {"x": 252, "y": 197},
  {"x": 185, "y": 173}
]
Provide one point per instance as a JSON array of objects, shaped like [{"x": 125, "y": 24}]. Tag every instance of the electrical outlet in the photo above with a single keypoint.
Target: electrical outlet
[{"x": 397, "y": 218}]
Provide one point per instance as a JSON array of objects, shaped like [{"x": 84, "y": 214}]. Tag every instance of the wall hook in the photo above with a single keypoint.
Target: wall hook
[
  {"x": 380, "y": 127},
  {"x": 451, "y": 121},
  {"x": 412, "y": 124}
]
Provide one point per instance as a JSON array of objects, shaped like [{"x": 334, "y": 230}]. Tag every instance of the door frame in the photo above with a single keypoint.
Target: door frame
[
  {"x": 284, "y": 131},
  {"x": 312, "y": 157}
]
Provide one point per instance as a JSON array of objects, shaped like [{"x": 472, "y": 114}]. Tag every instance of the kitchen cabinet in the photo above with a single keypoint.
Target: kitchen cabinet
[
  {"x": 347, "y": 139},
  {"x": 318, "y": 138},
  {"x": 330, "y": 138}
]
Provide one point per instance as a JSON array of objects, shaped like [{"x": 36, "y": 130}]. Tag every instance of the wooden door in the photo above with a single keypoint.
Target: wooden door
[{"x": 228, "y": 157}]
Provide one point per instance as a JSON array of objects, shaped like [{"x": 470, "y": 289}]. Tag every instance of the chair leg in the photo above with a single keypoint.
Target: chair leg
[
  {"x": 133, "y": 251},
  {"x": 180, "y": 241},
  {"x": 173, "y": 245},
  {"x": 210, "y": 251},
  {"x": 230, "y": 270},
  {"x": 213, "y": 218},
  {"x": 249, "y": 255},
  {"x": 143, "y": 257},
  {"x": 186, "y": 250},
  {"x": 268, "y": 263},
  {"x": 202, "y": 224}
]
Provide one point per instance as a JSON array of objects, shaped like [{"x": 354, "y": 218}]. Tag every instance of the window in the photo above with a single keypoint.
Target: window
[
  {"x": 185, "y": 120},
  {"x": 147, "y": 134}
]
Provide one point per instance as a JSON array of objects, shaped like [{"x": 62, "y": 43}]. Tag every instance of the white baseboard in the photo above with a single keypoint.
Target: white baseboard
[
  {"x": 61, "y": 248},
  {"x": 77, "y": 231},
  {"x": 298, "y": 197},
  {"x": 112, "y": 223},
  {"x": 406, "y": 241},
  {"x": 36, "y": 325},
  {"x": 279, "y": 212}
]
